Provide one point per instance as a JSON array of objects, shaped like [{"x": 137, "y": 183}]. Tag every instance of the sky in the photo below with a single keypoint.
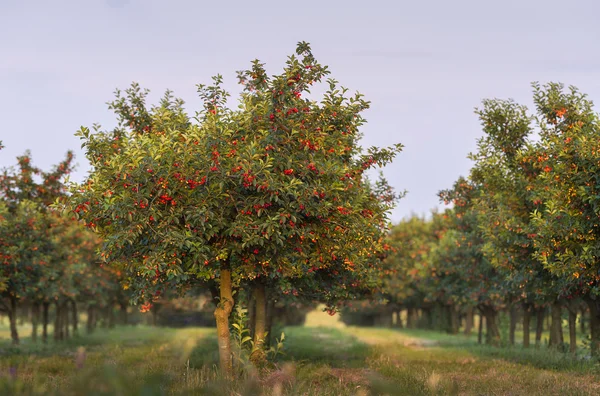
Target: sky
[{"x": 424, "y": 65}]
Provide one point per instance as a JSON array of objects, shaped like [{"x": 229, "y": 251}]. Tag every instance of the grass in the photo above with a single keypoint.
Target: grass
[{"x": 322, "y": 358}]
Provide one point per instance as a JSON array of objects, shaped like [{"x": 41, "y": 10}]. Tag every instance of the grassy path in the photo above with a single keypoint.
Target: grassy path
[{"x": 319, "y": 361}]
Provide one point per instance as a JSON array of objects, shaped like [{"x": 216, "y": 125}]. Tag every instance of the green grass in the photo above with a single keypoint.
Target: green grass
[{"x": 319, "y": 360}]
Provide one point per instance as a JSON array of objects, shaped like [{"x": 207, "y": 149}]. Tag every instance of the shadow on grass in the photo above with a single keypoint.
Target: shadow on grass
[{"x": 318, "y": 345}]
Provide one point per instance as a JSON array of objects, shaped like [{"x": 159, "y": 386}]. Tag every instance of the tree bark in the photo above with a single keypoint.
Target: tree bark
[
  {"x": 12, "y": 318},
  {"x": 270, "y": 319},
  {"x": 572, "y": 308},
  {"x": 410, "y": 318},
  {"x": 428, "y": 317},
  {"x": 556, "y": 333},
  {"x": 539, "y": 325},
  {"x": 454, "y": 319},
  {"x": 45, "y": 309},
  {"x": 513, "y": 324},
  {"x": 469, "y": 321},
  {"x": 594, "y": 325},
  {"x": 65, "y": 320},
  {"x": 58, "y": 323},
  {"x": 260, "y": 322},
  {"x": 35, "y": 319},
  {"x": 526, "y": 325},
  {"x": 251, "y": 313},
  {"x": 222, "y": 312},
  {"x": 582, "y": 320},
  {"x": 492, "y": 334}
]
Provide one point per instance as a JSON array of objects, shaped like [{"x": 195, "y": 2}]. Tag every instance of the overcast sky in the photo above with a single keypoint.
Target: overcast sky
[{"x": 424, "y": 65}]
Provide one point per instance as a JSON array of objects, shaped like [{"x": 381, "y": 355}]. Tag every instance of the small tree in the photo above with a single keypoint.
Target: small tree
[{"x": 266, "y": 193}]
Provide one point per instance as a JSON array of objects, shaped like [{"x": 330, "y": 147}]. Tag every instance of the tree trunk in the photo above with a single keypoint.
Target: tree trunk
[
  {"x": 45, "y": 309},
  {"x": 480, "y": 331},
  {"x": 90, "y": 325},
  {"x": 454, "y": 319},
  {"x": 513, "y": 324},
  {"x": 260, "y": 322},
  {"x": 35, "y": 319},
  {"x": 58, "y": 323},
  {"x": 469, "y": 321},
  {"x": 65, "y": 320},
  {"x": 526, "y": 324},
  {"x": 222, "y": 312},
  {"x": 556, "y": 333},
  {"x": 492, "y": 334},
  {"x": 251, "y": 313},
  {"x": 572, "y": 308},
  {"x": 75, "y": 317},
  {"x": 427, "y": 318},
  {"x": 270, "y": 319},
  {"x": 539, "y": 325},
  {"x": 582, "y": 321},
  {"x": 594, "y": 326},
  {"x": 410, "y": 317},
  {"x": 12, "y": 318}
]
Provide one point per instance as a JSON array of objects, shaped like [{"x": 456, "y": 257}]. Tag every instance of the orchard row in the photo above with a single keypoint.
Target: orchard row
[{"x": 523, "y": 231}]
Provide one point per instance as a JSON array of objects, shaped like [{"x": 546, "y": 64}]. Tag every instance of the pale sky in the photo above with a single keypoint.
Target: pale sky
[{"x": 424, "y": 65}]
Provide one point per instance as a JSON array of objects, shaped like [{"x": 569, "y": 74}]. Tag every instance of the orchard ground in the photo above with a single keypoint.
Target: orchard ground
[{"x": 324, "y": 357}]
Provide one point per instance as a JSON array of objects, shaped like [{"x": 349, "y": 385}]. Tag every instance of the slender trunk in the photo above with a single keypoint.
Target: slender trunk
[
  {"x": 65, "y": 320},
  {"x": 428, "y": 318},
  {"x": 410, "y": 316},
  {"x": 260, "y": 322},
  {"x": 222, "y": 312},
  {"x": 526, "y": 324},
  {"x": 513, "y": 324},
  {"x": 582, "y": 321},
  {"x": 572, "y": 308},
  {"x": 75, "y": 318},
  {"x": 251, "y": 313},
  {"x": 469, "y": 321},
  {"x": 539, "y": 325},
  {"x": 556, "y": 333},
  {"x": 57, "y": 323},
  {"x": 492, "y": 334},
  {"x": 12, "y": 318},
  {"x": 35, "y": 320},
  {"x": 454, "y": 319},
  {"x": 480, "y": 330},
  {"x": 45, "y": 309},
  {"x": 269, "y": 325},
  {"x": 594, "y": 325}
]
